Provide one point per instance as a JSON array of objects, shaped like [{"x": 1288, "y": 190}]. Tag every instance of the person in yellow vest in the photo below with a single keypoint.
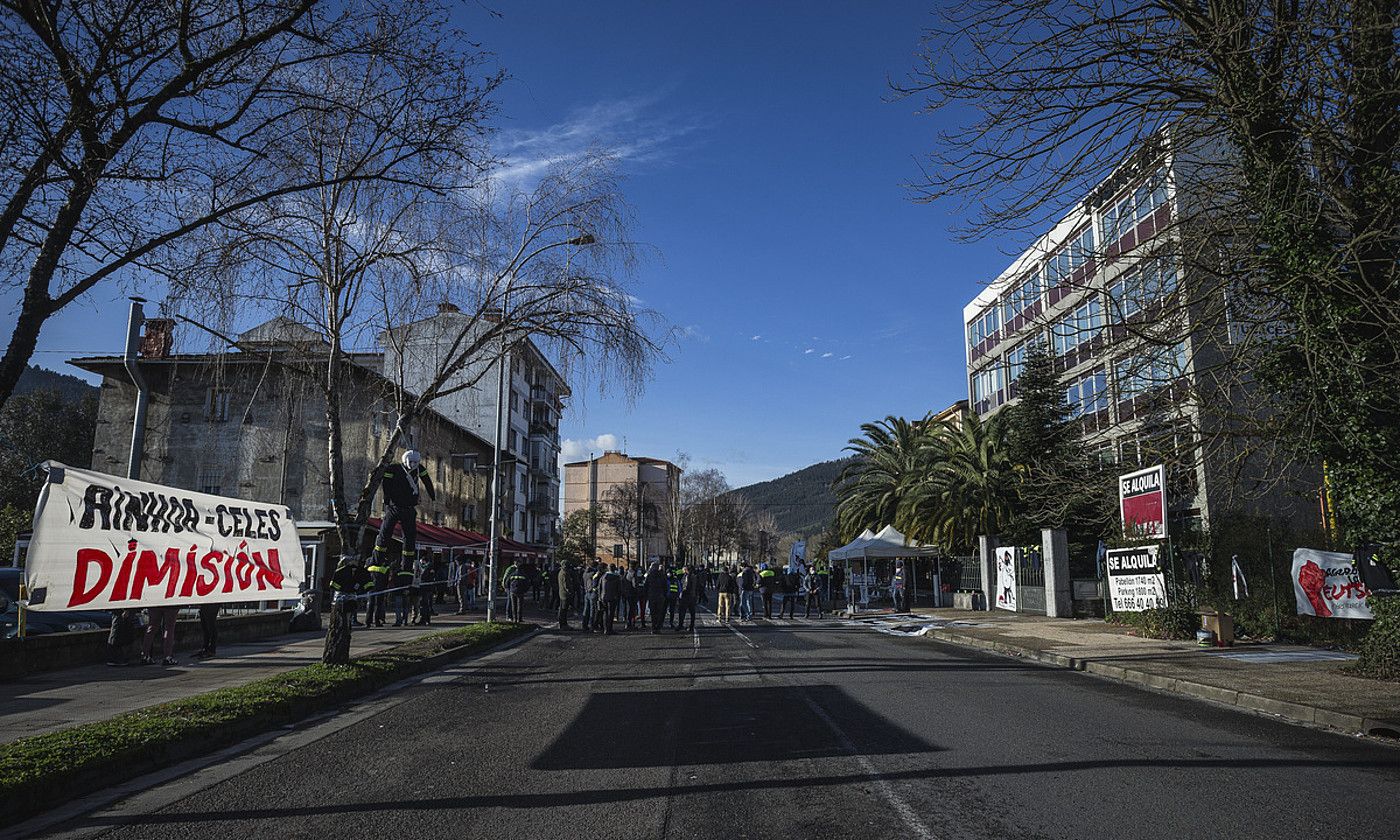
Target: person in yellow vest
[{"x": 767, "y": 585}]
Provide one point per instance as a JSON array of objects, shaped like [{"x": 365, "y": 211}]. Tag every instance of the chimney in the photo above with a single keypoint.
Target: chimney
[{"x": 158, "y": 338}]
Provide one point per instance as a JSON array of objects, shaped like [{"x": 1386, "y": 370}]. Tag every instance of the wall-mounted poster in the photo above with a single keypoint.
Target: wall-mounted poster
[{"x": 1006, "y": 578}]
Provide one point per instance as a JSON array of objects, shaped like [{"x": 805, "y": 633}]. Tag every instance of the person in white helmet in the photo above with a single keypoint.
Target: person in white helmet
[{"x": 401, "y": 484}]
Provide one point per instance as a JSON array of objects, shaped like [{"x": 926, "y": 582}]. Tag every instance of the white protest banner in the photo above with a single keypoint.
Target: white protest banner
[
  {"x": 102, "y": 542},
  {"x": 1006, "y": 578},
  {"x": 1135, "y": 579},
  {"x": 1326, "y": 584}
]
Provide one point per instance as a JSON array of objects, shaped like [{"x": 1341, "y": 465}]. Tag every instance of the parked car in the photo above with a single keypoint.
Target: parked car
[{"x": 36, "y": 623}]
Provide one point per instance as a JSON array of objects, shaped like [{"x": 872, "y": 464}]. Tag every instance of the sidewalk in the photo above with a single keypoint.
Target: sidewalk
[
  {"x": 58, "y": 699},
  {"x": 1301, "y": 684}
]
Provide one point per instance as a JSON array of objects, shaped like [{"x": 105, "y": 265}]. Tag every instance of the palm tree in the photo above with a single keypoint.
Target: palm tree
[
  {"x": 885, "y": 462},
  {"x": 966, "y": 485}
]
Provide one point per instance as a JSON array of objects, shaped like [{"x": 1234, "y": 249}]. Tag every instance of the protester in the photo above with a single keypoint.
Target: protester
[
  {"x": 516, "y": 583},
  {"x": 728, "y": 587},
  {"x": 748, "y": 587},
  {"x": 639, "y": 587},
  {"x": 403, "y": 585},
  {"x": 813, "y": 585},
  {"x": 655, "y": 586},
  {"x": 629, "y": 597},
  {"x": 692, "y": 589},
  {"x": 209, "y": 627},
  {"x": 897, "y": 587},
  {"x": 791, "y": 583},
  {"x": 160, "y": 624},
  {"x": 427, "y": 588},
  {"x": 767, "y": 588},
  {"x": 120, "y": 636},
  {"x": 609, "y": 596},
  {"x": 565, "y": 584}
]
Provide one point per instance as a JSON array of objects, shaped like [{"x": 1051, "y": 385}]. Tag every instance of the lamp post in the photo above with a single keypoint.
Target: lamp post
[{"x": 494, "y": 545}]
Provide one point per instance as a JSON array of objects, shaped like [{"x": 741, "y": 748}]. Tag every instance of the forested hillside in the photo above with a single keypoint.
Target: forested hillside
[{"x": 802, "y": 501}]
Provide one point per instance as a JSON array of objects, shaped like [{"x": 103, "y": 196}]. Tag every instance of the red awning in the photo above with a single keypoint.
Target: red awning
[{"x": 440, "y": 536}]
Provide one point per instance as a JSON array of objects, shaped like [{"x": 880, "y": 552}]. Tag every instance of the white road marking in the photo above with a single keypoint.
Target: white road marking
[
  {"x": 901, "y": 807},
  {"x": 732, "y": 630}
]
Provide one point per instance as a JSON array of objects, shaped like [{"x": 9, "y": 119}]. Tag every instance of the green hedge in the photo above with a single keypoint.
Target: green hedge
[
  {"x": 1164, "y": 623},
  {"x": 42, "y": 771}
]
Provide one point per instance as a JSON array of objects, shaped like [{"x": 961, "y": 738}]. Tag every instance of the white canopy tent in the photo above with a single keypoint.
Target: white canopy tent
[{"x": 888, "y": 543}]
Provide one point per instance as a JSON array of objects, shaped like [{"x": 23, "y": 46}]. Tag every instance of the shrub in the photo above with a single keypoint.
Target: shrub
[
  {"x": 1163, "y": 623},
  {"x": 1380, "y": 650}
]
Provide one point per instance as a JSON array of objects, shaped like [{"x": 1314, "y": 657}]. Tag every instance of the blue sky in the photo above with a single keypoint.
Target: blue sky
[{"x": 765, "y": 164}]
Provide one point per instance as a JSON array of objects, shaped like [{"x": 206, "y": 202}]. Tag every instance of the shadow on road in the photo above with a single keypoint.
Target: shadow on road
[{"x": 718, "y": 726}]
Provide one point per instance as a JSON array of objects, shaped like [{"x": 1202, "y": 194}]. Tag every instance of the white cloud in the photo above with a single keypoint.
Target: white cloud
[
  {"x": 578, "y": 450},
  {"x": 844, "y": 358},
  {"x": 627, "y": 129},
  {"x": 827, "y": 355},
  {"x": 808, "y": 350},
  {"x": 693, "y": 332},
  {"x": 756, "y": 338}
]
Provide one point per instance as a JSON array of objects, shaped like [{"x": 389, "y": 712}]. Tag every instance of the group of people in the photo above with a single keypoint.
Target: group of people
[{"x": 603, "y": 595}]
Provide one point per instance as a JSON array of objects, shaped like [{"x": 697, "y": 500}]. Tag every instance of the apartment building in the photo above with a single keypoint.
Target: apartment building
[
  {"x": 536, "y": 395},
  {"x": 1107, "y": 294},
  {"x": 592, "y": 482}
]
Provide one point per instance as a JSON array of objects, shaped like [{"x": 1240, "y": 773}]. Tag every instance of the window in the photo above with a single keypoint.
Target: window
[
  {"x": 987, "y": 388},
  {"x": 1141, "y": 286},
  {"x": 984, "y": 326},
  {"x": 1078, "y": 327},
  {"x": 468, "y": 515},
  {"x": 1142, "y": 372},
  {"x": 1023, "y": 297},
  {"x": 441, "y": 470},
  {"x": 211, "y": 480},
  {"x": 216, "y": 405},
  {"x": 1088, "y": 394},
  {"x": 1118, "y": 218}
]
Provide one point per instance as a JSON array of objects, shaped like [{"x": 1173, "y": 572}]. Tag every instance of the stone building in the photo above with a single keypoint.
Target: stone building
[{"x": 252, "y": 425}]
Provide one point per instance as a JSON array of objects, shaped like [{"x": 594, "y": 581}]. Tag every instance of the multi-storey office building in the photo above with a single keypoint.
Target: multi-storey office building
[{"x": 1107, "y": 294}]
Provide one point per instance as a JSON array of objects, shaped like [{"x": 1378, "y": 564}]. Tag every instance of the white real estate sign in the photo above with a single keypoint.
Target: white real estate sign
[
  {"x": 1006, "y": 578},
  {"x": 1135, "y": 579},
  {"x": 102, "y": 542}
]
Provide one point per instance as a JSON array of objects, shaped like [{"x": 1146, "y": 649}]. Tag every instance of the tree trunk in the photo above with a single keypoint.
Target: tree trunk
[
  {"x": 34, "y": 310},
  {"x": 337, "y": 650}
]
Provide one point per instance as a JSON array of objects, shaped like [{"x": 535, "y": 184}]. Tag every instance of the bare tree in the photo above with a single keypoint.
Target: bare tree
[
  {"x": 632, "y": 511},
  {"x": 134, "y": 123}
]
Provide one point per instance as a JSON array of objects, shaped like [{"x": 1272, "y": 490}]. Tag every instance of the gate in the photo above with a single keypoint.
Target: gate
[{"x": 1030, "y": 580}]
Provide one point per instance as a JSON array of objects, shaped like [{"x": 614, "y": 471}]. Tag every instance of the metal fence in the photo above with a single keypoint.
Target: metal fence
[{"x": 961, "y": 574}]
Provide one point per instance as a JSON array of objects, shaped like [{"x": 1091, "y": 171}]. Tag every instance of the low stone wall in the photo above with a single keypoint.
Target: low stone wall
[{"x": 52, "y": 651}]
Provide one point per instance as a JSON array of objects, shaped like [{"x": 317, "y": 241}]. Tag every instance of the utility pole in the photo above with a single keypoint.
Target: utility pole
[
  {"x": 494, "y": 546},
  {"x": 593, "y": 506},
  {"x": 138, "y": 424}
]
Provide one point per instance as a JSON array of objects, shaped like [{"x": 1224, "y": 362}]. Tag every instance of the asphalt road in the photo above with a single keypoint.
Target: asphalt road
[{"x": 800, "y": 730}]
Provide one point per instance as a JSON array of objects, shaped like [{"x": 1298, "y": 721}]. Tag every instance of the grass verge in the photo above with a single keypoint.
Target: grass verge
[{"x": 43, "y": 771}]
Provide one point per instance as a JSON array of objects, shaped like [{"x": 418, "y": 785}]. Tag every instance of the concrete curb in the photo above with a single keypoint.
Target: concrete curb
[
  {"x": 57, "y": 791},
  {"x": 1299, "y": 713}
]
